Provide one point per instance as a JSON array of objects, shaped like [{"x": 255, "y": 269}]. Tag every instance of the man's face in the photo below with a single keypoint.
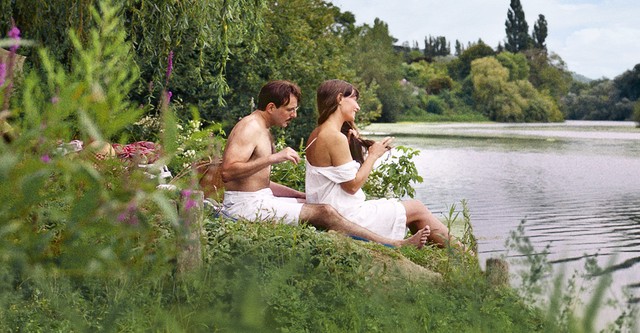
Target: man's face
[{"x": 285, "y": 113}]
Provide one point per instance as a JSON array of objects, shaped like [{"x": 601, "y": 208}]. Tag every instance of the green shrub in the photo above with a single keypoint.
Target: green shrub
[{"x": 436, "y": 105}]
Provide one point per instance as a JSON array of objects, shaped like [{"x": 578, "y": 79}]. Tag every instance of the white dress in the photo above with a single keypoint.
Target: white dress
[{"x": 385, "y": 217}]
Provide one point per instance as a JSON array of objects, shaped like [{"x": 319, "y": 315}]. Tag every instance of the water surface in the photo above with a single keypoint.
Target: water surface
[{"x": 576, "y": 185}]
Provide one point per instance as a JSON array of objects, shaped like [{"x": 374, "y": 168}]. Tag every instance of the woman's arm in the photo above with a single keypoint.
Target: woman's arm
[{"x": 340, "y": 155}]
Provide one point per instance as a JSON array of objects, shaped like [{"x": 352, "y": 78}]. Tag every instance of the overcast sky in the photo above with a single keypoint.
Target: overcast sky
[{"x": 596, "y": 38}]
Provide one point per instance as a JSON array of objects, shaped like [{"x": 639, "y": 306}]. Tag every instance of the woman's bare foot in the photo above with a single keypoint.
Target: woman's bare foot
[{"x": 418, "y": 239}]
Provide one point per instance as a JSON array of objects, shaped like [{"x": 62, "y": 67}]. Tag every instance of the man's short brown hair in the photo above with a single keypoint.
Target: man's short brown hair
[{"x": 278, "y": 92}]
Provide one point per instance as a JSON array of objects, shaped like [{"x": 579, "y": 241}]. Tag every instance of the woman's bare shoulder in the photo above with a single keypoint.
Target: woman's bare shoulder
[{"x": 331, "y": 136}]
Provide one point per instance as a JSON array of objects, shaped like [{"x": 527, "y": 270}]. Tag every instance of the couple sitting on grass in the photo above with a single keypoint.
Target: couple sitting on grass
[{"x": 334, "y": 199}]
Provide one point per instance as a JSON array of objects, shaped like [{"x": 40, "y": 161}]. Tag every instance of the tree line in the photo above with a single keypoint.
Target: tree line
[{"x": 222, "y": 52}]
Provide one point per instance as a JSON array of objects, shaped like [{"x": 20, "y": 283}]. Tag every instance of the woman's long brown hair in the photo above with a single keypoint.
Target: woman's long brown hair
[
  {"x": 357, "y": 146},
  {"x": 327, "y": 102}
]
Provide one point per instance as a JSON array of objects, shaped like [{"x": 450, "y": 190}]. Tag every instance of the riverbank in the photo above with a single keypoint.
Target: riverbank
[
  {"x": 273, "y": 278},
  {"x": 576, "y": 129}
]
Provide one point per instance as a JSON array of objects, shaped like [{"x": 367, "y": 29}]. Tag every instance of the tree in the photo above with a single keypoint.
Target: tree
[
  {"x": 548, "y": 73},
  {"x": 375, "y": 60},
  {"x": 539, "y": 34},
  {"x": 436, "y": 46},
  {"x": 636, "y": 113},
  {"x": 199, "y": 34},
  {"x": 303, "y": 41},
  {"x": 516, "y": 64},
  {"x": 504, "y": 100},
  {"x": 517, "y": 29},
  {"x": 461, "y": 67},
  {"x": 628, "y": 84},
  {"x": 495, "y": 96},
  {"x": 459, "y": 48}
]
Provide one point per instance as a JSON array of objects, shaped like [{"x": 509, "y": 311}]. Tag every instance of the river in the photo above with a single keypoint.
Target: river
[{"x": 575, "y": 184}]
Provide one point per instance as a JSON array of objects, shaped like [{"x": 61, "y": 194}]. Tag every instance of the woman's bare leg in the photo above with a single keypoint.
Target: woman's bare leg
[
  {"x": 326, "y": 217},
  {"x": 419, "y": 217}
]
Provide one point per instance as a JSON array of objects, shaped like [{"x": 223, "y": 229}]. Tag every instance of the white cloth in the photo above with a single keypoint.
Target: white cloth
[
  {"x": 386, "y": 217},
  {"x": 261, "y": 205}
]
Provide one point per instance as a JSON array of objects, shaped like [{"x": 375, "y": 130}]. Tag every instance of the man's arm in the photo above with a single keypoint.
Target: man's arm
[
  {"x": 236, "y": 159},
  {"x": 241, "y": 146}
]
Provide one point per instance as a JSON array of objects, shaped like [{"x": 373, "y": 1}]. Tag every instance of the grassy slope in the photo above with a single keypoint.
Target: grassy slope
[{"x": 273, "y": 278}]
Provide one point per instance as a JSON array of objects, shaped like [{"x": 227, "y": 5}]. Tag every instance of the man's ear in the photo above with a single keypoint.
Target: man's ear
[{"x": 270, "y": 107}]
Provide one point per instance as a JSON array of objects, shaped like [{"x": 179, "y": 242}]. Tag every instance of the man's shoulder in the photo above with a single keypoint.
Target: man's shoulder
[{"x": 249, "y": 124}]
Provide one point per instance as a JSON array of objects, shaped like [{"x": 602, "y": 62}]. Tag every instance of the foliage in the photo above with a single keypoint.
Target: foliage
[
  {"x": 303, "y": 43},
  {"x": 517, "y": 29},
  {"x": 376, "y": 61},
  {"x": 436, "y": 46},
  {"x": 394, "y": 176},
  {"x": 539, "y": 34},
  {"x": 287, "y": 173},
  {"x": 628, "y": 84},
  {"x": 548, "y": 73},
  {"x": 504, "y": 100},
  {"x": 636, "y": 113},
  {"x": 597, "y": 101},
  {"x": 516, "y": 63},
  {"x": 561, "y": 295},
  {"x": 460, "y": 68},
  {"x": 71, "y": 212},
  {"x": 196, "y": 144},
  {"x": 432, "y": 77}
]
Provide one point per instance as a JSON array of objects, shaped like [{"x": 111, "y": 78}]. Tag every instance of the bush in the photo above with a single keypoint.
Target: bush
[{"x": 436, "y": 105}]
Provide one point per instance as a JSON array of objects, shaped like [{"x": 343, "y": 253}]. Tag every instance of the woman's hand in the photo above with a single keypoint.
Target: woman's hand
[{"x": 380, "y": 147}]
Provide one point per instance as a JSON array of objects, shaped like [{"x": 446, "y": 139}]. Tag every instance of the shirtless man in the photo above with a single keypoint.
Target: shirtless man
[{"x": 246, "y": 168}]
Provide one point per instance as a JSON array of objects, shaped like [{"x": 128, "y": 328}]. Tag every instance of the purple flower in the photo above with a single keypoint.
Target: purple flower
[
  {"x": 129, "y": 215},
  {"x": 169, "y": 94},
  {"x": 3, "y": 73},
  {"x": 122, "y": 217},
  {"x": 55, "y": 100},
  {"x": 14, "y": 33},
  {"x": 189, "y": 204},
  {"x": 169, "y": 66},
  {"x": 45, "y": 158}
]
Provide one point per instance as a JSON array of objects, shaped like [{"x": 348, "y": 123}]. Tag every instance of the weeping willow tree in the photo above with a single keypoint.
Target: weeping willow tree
[{"x": 198, "y": 34}]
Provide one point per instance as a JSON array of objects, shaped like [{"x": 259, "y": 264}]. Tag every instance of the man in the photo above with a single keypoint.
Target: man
[{"x": 246, "y": 168}]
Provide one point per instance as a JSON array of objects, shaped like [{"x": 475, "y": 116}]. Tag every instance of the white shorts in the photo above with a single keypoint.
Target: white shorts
[{"x": 262, "y": 205}]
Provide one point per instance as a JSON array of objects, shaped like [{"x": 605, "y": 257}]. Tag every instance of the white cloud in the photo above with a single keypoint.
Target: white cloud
[{"x": 595, "y": 38}]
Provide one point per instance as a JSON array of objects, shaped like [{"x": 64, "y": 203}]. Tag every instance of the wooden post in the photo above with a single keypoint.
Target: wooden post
[
  {"x": 497, "y": 272},
  {"x": 189, "y": 242}
]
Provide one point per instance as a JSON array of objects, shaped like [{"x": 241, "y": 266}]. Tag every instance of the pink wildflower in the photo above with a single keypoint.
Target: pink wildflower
[
  {"x": 3, "y": 73},
  {"x": 189, "y": 203},
  {"x": 45, "y": 158},
  {"x": 129, "y": 215},
  {"x": 14, "y": 33},
  {"x": 169, "y": 66}
]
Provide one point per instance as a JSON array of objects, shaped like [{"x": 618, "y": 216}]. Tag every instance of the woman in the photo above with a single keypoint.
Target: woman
[{"x": 336, "y": 169}]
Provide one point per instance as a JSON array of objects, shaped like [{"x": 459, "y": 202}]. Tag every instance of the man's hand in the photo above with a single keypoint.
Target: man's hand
[{"x": 286, "y": 154}]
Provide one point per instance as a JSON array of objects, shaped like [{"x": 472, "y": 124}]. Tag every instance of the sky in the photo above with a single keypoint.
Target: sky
[{"x": 595, "y": 38}]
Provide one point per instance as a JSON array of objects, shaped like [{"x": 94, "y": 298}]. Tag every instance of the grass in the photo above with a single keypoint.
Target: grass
[{"x": 272, "y": 278}]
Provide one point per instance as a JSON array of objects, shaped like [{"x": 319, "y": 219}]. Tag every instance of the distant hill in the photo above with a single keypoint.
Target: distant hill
[{"x": 580, "y": 78}]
